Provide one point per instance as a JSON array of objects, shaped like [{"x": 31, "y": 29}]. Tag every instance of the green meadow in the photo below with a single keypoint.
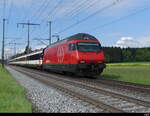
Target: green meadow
[
  {"x": 130, "y": 64},
  {"x": 129, "y": 72},
  {"x": 12, "y": 95}
]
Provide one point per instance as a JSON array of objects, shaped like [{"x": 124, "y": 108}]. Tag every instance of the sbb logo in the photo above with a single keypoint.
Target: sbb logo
[{"x": 60, "y": 54}]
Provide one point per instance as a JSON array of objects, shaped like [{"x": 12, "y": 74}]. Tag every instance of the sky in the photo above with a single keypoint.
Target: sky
[{"x": 120, "y": 23}]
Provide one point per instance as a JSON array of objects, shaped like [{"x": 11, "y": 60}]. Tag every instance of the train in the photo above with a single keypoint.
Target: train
[{"x": 79, "y": 54}]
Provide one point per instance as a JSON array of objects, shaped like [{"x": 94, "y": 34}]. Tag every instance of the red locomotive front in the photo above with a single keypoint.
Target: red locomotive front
[{"x": 79, "y": 54}]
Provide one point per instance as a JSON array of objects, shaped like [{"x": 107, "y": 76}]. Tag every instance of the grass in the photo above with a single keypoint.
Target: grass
[
  {"x": 137, "y": 73},
  {"x": 12, "y": 95},
  {"x": 130, "y": 64}
]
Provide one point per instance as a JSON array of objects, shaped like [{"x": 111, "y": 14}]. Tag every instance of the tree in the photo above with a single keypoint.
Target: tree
[
  {"x": 142, "y": 54},
  {"x": 26, "y": 50},
  {"x": 126, "y": 55}
]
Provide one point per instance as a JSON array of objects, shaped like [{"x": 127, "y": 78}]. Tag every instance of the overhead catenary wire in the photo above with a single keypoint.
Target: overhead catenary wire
[
  {"x": 121, "y": 18},
  {"x": 41, "y": 13},
  {"x": 15, "y": 44},
  {"x": 85, "y": 8},
  {"x": 39, "y": 40},
  {"x": 28, "y": 24},
  {"x": 75, "y": 8},
  {"x": 39, "y": 10},
  {"x": 60, "y": 2},
  {"x": 10, "y": 10},
  {"x": 4, "y": 8},
  {"x": 53, "y": 10},
  {"x": 73, "y": 4},
  {"x": 89, "y": 16},
  {"x": 26, "y": 15},
  {"x": 9, "y": 14}
]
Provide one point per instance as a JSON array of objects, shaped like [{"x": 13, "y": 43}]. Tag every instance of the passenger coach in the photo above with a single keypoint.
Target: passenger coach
[{"x": 30, "y": 60}]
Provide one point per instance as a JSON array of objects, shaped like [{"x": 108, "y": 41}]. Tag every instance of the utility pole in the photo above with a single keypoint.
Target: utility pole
[
  {"x": 57, "y": 36},
  {"x": 28, "y": 24},
  {"x": 50, "y": 31},
  {"x": 3, "y": 42}
]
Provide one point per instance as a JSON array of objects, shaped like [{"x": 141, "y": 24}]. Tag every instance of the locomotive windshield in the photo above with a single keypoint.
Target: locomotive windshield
[{"x": 88, "y": 47}]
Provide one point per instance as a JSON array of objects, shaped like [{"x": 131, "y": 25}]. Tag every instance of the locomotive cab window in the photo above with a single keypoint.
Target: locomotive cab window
[
  {"x": 88, "y": 47},
  {"x": 72, "y": 46}
]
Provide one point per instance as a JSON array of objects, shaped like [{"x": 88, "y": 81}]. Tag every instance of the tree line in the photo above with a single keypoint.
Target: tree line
[{"x": 116, "y": 54}]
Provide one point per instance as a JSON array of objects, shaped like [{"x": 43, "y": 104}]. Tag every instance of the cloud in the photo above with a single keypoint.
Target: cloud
[
  {"x": 20, "y": 51},
  {"x": 8, "y": 53},
  {"x": 125, "y": 42},
  {"x": 39, "y": 47},
  {"x": 34, "y": 48}
]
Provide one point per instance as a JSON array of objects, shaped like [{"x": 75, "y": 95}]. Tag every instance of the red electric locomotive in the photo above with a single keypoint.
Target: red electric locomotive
[{"x": 79, "y": 54}]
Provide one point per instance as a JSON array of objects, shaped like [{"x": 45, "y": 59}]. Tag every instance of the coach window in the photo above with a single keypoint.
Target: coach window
[
  {"x": 37, "y": 56},
  {"x": 72, "y": 46},
  {"x": 28, "y": 58}
]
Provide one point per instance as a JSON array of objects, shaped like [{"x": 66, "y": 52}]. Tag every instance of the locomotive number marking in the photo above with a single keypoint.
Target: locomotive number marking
[{"x": 60, "y": 54}]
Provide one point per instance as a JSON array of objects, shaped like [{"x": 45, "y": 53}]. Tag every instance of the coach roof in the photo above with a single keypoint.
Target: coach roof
[{"x": 79, "y": 36}]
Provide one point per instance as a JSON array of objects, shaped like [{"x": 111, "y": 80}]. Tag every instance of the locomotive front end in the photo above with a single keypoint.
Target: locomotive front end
[{"x": 90, "y": 58}]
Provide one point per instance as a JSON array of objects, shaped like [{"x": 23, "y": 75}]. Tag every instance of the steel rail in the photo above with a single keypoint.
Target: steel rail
[
  {"x": 134, "y": 86},
  {"x": 98, "y": 90},
  {"x": 85, "y": 98}
]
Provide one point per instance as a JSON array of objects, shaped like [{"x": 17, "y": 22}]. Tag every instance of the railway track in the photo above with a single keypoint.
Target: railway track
[
  {"x": 106, "y": 100},
  {"x": 134, "y": 86},
  {"x": 121, "y": 84}
]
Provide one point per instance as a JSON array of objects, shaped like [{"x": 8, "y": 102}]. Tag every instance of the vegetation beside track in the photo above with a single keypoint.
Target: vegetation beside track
[
  {"x": 12, "y": 95},
  {"x": 130, "y": 64},
  {"x": 129, "y": 72}
]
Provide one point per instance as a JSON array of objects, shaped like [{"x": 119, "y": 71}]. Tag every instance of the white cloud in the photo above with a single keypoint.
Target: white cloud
[
  {"x": 39, "y": 47},
  {"x": 33, "y": 48},
  {"x": 125, "y": 42},
  {"x": 20, "y": 51},
  {"x": 8, "y": 51}
]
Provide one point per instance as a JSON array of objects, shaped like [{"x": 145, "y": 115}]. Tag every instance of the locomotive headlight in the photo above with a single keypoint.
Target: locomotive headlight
[{"x": 82, "y": 62}]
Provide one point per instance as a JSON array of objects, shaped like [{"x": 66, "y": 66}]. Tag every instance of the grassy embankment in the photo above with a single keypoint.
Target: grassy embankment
[
  {"x": 129, "y": 72},
  {"x": 12, "y": 95}
]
